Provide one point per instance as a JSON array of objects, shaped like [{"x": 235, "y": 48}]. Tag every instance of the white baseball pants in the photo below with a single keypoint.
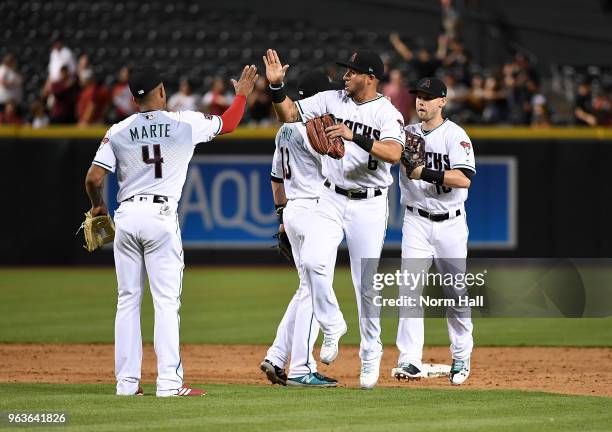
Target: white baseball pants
[
  {"x": 148, "y": 242},
  {"x": 444, "y": 243},
  {"x": 298, "y": 330},
  {"x": 363, "y": 223}
]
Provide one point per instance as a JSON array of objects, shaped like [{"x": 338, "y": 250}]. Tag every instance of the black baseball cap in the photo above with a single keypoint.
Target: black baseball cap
[
  {"x": 313, "y": 82},
  {"x": 143, "y": 79},
  {"x": 365, "y": 61},
  {"x": 432, "y": 86}
]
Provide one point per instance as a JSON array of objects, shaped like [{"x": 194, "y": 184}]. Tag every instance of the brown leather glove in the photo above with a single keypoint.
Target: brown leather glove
[{"x": 315, "y": 129}]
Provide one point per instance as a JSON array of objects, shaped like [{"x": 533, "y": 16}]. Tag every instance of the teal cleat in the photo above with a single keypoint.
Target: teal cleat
[{"x": 312, "y": 380}]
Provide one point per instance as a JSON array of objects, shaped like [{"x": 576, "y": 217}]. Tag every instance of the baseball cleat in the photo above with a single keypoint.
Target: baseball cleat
[
  {"x": 407, "y": 371},
  {"x": 460, "y": 371},
  {"x": 184, "y": 391},
  {"x": 329, "y": 347},
  {"x": 312, "y": 380},
  {"x": 370, "y": 370},
  {"x": 275, "y": 374}
]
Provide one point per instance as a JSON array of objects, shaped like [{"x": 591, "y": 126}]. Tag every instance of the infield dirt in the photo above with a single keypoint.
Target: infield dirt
[{"x": 576, "y": 371}]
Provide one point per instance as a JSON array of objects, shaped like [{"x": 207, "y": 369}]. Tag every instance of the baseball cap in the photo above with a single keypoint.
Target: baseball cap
[
  {"x": 430, "y": 85},
  {"x": 143, "y": 79},
  {"x": 365, "y": 61},
  {"x": 313, "y": 82}
]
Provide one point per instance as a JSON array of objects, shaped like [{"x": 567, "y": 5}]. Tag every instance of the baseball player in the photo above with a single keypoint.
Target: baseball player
[
  {"x": 353, "y": 202},
  {"x": 296, "y": 182},
  {"x": 435, "y": 226},
  {"x": 150, "y": 151}
]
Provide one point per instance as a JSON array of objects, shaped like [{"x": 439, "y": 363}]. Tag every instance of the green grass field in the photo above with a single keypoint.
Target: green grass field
[
  {"x": 230, "y": 305},
  {"x": 244, "y": 305},
  {"x": 258, "y": 408}
]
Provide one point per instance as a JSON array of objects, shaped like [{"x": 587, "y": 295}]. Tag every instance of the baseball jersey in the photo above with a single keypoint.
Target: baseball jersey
[
  {"x": 446, "y": 147},
  {"x": 376, "y": 118},
  {"x": 151, "y": 150},
  {"x": 295, "y": 163}
]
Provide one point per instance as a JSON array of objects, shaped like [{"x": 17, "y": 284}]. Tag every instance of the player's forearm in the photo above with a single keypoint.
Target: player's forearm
[
  {"x": 278, "y": 193},
  {"x": 287, "y": 111},
  {"x": 94, "y": 183},
  {"x": 452, "y": 178},
  {"x": 388, "y": 151},
  {"x": 456, "y": 179},
  {"x": 232, "y": 116}
]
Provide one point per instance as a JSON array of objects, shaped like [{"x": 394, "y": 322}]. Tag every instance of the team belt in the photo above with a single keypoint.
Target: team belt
[
  {"x": 158, "y": 199},
  {"x": 355, "y": 194},
  {"x": 434, "y": 217}
]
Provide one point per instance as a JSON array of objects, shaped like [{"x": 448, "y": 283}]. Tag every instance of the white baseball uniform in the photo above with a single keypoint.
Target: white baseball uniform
[
  {"x": 298, "y": 167},
  {"x": 445, "y": 242},
  {"x": 362, "y": 221},
  {"x": 150, "y": 152}
]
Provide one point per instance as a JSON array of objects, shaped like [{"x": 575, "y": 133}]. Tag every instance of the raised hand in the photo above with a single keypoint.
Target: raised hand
[
  {"x": 244, "y": 86},
  {"x": 275, "y": 71}
]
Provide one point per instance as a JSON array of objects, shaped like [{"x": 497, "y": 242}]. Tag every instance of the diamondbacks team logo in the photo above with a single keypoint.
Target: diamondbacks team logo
[
  {"x": 105, "y": 140},
  {"x": 353, "y": 57},
  {"x": 426, "y": 84},
  {"x": 466, "y": 146}
]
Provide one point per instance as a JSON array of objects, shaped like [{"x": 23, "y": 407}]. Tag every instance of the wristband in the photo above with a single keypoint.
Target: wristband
[
  {"x": 278, "y": 93},
  {"x": 432, "y": 176},
  {"x": 364, "y": 142},
  {"x": 279, "y": 212}
]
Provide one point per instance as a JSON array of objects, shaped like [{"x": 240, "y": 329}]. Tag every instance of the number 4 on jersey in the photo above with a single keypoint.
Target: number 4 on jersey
[{"x": 157, "y": 158}]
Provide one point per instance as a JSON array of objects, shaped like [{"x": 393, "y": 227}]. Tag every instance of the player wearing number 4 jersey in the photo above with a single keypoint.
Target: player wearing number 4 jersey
[
  {"x": 435, "y": 228},
  {"x": 353, "y": 203},
  {"x": 150, "y": 152},
  {"x": 296, "y": 183}
]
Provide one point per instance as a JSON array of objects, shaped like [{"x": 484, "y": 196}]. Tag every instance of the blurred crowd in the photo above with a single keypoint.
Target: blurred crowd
[{"x": 509, "y": 94}]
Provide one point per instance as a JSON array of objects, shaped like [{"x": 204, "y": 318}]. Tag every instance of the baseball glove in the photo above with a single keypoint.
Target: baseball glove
[
  {"x": 315, "y": 129},
  {"x": 283, "y": 246},
  {"x": 413, "y": 155},
  {"x": 98, "y": 231}
]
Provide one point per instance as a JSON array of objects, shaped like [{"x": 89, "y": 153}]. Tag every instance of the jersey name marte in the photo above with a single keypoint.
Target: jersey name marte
[
  {"x": 376, "y": 118},
  {"x": 447, "y": 147},
  {"x": 151, "y": 150}
]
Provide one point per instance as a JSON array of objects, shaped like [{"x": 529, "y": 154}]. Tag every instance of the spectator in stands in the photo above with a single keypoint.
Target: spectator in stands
[
  {"x": 216, "y": 101},
  {"x": 456, "y": 98},
  {"x": 84, "y": 69},
  {"x": 583, "y": 105},
  {"x": 123, "y": 100},
  {"x": 10, "y": 115},
  {"x": 184, "y": 99},
  {"x": 10, "y": 81},
  {"x": 451, "y": 19},
  {"x": 397, "y": 91},
  {"x": 453, "y": 55},
  {"x": 476, "y": 99},
  {"x": 39, "y": 115},
  {"x": 423, "y": 62},
  {"x": 259, "y": 104},
  {"x": 65, "y": 92},
  {"x": 602, "y": 108},
  {"x": 60, "y": 56},
  {"x": 496, "y": 103},
  {"x": 540, "y": 116},
  {"x": 520, "y": 82},
  {"x": 94, "y": 101}
]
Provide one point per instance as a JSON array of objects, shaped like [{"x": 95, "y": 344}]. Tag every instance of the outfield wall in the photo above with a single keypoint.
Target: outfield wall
[{"x": 538, "y": 193}]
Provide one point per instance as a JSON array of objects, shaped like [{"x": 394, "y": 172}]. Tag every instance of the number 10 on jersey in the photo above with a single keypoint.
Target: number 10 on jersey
[{"x": 157, "y": 158}]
